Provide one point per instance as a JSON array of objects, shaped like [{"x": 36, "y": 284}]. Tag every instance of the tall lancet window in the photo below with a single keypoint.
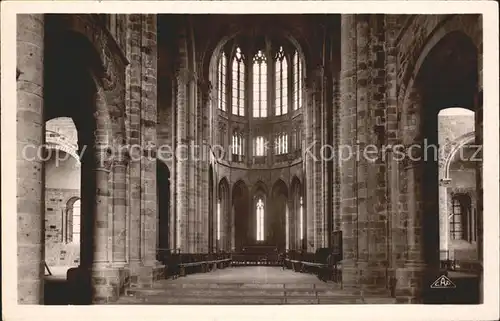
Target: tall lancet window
[
  {"x": 281, "y": 83},
  {"x": 221, "y": 82},
  {"x": 237, "y": 144},
  {"x": 281, "y": 144},
  {"x": 259, "y": 146},
  {"x": 259, "y": 85},
  {"x": 297, "y": 81},
  {"x": 238, "y": 101},
  {"x": 260, "y": 220}
]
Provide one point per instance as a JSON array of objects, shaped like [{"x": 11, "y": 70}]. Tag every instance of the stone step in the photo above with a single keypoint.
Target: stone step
[
  {"x": 216, "y": 300},
  {"x": 242, "y": 295},
  {"x": 239, "y": 292},
  {"x": 227, "y": 300}
]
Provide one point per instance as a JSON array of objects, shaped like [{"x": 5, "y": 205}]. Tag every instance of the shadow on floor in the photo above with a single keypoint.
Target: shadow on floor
[{"x": 56, "y": 291}]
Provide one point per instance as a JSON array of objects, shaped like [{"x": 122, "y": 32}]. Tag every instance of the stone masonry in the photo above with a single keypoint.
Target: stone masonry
[{"x": 144, "y": 87}]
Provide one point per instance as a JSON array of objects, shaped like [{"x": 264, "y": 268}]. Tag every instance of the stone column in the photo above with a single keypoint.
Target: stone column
[
  {"x": 151, "y": 269},
  {"x": 375, "y": 277},
  {"x": 347, "y": 139},
  {"x": 133, "y": 94},
  {"x": 420, "y": 268},
  {"x": 181, "y": 154},
  {"x": 30, "y": 173},
  {"x": 363, "y": 138},
  {"x": 479, "y": 181},
  {"x": 101, "y": 210},
  {"x": 119, "y": 254},
  {"x": 142, "y": 100}
]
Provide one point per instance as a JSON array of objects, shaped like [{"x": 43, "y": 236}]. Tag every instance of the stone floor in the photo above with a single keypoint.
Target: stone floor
[
  {"x": 250, "y": 274},
  {"x": 246, "y": 285}
]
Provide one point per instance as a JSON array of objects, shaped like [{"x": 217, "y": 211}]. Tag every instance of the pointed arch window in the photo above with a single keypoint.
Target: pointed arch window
[
  {"x": 221, "y": 82},
  {"x": 259, "y": 85},
  {"x": 281, "y": 83},
  {"x": 281, "y": 144},
  {"x": 297, "y": 84},
  {"x": 260, "y": 219},
  {"x": 238, "y": 147},
  {"x": 238, "y": 94},
  {"x": 259, "y": 146}
]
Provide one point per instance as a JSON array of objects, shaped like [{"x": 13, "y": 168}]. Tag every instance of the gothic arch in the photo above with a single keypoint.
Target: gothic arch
[
  {"x": 453, "y": 148},
  {"x": 450, "y": 26},
  {"x": 260, "y": 185},
  {"x": 224, "y": 212},
  {"x": 241, "y": 215},
  {"x": 444, "y": 75},
  {"x": 280, "y": 186}
]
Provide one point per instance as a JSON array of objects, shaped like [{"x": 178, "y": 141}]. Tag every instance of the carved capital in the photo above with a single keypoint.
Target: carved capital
[
  {"x": 104, "y": 157},
  {"x": 185, "y": 76}
]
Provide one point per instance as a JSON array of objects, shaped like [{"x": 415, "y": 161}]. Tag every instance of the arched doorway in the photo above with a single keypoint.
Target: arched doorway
[
  {"x": 277, "y": 222},
  {"x": 62, "y": 194},
  {"x": 297, "y": 225},
  {"x": 223, "y": 227},
  {"x": 163, "y": 198},
  {"x": 212, "y": 233},
  {"x": 71, "y": 89},
  {"x": 242, "y": 230},
  {"x": 457, "y": 185},
  {"x": 448, "y": 77}
]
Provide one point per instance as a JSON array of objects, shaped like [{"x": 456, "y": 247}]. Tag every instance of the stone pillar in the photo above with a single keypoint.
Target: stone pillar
[
  {"x": 421, "y": 265},
  {"x": 133, "y": 94},
  {"x": 395, "y": 234},
  {"x": 318, "y": 110},
  {"x": 479, "y": 182},
  {"x": 363, "y": 138},
  {"x": 30, "y": 173},
  {"x": 182, "y": 163},
  {"x": 119, "y": 254},
  {"x": 375, "y": 277},
  {"x": 347, "y": 163},
  {"x": 363, "y": 191},
  {"x": 101, "y": 210},
  {"x": 142, "y": 99}
]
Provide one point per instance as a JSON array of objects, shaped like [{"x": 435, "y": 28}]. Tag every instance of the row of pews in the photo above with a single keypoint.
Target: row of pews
[{"x": 180, "y": 264}]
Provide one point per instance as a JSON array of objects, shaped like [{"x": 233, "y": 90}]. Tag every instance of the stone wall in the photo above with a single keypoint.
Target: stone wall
[{"x": 153, "y": 90}]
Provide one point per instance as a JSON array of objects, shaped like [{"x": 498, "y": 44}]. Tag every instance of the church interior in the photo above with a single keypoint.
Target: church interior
[{"x": 207, "y": 159}]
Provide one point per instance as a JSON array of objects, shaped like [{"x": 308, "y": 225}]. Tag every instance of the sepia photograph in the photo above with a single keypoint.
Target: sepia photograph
[{"x": 213, "y": 158}]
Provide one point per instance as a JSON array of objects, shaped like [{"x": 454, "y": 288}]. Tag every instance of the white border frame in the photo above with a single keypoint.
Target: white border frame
[{"x": 487, "y": 311}]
